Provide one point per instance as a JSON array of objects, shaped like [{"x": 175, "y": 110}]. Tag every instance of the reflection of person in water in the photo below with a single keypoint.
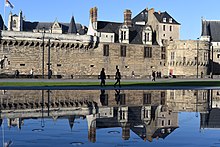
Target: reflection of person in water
[
  {"x": 117, "y": 96},
  {"x": 103, "y": 98}
]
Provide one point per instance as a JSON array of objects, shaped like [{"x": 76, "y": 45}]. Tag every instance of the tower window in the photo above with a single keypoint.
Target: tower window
[
  {"x": 147, "y": 52},
  {"x": 105, "y": 50},
  {"x": 123, "y": 51},
  {"x": 14, "y": 23}
]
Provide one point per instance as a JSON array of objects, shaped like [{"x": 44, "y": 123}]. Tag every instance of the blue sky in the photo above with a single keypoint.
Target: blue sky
[{"x": 186, "y": 12}]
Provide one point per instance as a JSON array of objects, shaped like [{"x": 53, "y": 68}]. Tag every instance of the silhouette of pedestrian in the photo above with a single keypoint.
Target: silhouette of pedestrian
[
  {"x": 117, "y": 78},
  {"x": 32, "y": 73},
  {"x": 102, "y": 77},
  {"x": 117, "y": 96},
  {"x": 153, "y": 75}
]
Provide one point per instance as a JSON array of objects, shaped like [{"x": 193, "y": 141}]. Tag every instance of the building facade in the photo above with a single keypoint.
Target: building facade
[{"x": 147, "y": 42}]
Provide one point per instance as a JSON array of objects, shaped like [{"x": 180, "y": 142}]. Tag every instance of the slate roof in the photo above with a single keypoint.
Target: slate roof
[
  {"x": 72, "y": 26},
  {"x": 30, "y": 26},
  {"x": 211, "y": 120},
  {"x": 135, "y": 34},
  {"x": 162, "y": 15},
  {"x": 212, "y": 29},
  {"x": 142, "y": 16},
  {"x": 1, "y": 23},
  {"x": 109, "y": 27}
]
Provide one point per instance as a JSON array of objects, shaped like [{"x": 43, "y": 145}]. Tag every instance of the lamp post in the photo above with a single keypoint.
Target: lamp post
[
  {"x": 197, "y": 59},
  {"x": 49, "y": 71},
  {"x": 212, "y": 63},
  {"x": 43, "y": 54}
]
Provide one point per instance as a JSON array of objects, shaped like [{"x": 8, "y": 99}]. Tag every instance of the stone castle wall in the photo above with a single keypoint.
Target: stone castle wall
[
  {"x": 174, "y": 100},
  {"x": 182, "y": 57},
  {"x": 73, "y": 56}
]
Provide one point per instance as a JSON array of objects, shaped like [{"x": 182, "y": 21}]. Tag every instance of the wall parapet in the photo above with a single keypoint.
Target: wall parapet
[{"x": 35, "y": 36}]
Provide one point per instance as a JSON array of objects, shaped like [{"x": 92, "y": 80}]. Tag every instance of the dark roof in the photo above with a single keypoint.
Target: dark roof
[
  {"x": 160, "y": 16},
  {"x": 142, "y": 16},
  {"x": 30, "y": 26},
  {"x": 212, "y": 29},
  {"x": 211, "y": 120},
  {"x": 135, "y": 34},
  {"x": 109, "y": 27},
  {"x": 72, "y": 26},
  {"x": 1, "y": 23},
  {"x": 158, "y": 132}
]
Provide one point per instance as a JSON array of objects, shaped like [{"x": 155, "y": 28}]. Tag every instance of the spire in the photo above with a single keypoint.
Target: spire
[
  {"x": 0, "y": 122},
  {"x": 72, "y": 27},
  {"x": 71, "y": 121},
  {"x": 1, "y": 23}
]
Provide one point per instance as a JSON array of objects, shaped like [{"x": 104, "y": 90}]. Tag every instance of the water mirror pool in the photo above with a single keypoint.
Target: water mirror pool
[{"x": 110, "y": 118}]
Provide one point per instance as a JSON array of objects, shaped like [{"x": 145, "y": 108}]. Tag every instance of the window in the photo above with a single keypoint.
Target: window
[
  {"x": 171, "y": 95},
  {"x": 22, "y": 64},
  {"x": 172, "y": 55},
  {"x": 164, "y": 19},
  {"x": 105, "y": 50},
  {"x": 147, "y": 52},
  {"x": 205, "y": 95},
  {"x": 163, "y": 56},
  {"x": 162, "y": 94},
  {"x": 162, "y": 122},
  {"x": 169, "y": 122},
  {"x": 171, "y": 28},
  {"x": 163, "y": 49},
  {"x": 164, "y": 28},
  {"x": 184, "y": 59},
  {"x": 147, "y": 98},
  {"x": 14, "y": 23},
  {"x": 122, "y": 99},
  {"x": 123, "y": 51},
  {"x": 58, "y": 64},
  {"x": 206, "y": 56},
  {"x": 146, "y": 37},
  {"x": 123, "y": 35},
  {"x": 163, "y": 53},
  {"x": 184, "y": 92},
  {"x": 170, "y": 20}
]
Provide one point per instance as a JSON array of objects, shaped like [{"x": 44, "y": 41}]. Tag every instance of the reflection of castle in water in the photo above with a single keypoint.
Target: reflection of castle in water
[{"x": 148, "y": 113}]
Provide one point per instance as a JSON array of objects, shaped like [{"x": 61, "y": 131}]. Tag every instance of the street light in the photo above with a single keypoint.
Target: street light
[
  {"x": 197, "y": 59},
  {"x": 212, "y": 63},
  {"x": 43, "y": 54},
  {"x": 49, "y": 71}
]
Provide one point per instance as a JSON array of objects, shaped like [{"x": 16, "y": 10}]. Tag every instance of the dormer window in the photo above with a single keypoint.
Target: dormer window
[
  {"x": 170, "y": 20},
  {"x": 147, "y": 35},
  {"x": 124, "y": 34},
  {"x": 164, "y": 19}
]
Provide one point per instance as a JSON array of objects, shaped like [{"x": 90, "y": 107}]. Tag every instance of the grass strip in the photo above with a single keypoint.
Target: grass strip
[{"x": 165, "y": 83}]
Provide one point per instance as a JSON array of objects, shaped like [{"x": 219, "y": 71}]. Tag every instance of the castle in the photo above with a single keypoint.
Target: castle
[{"x": 138, "y": 45}]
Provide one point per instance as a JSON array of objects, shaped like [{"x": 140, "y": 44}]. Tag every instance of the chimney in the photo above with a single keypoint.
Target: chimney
[
  {"x": 147, "y": 8},
  {"x": 151, "y": 10},
  {"x": 127, "y": 17},
  {"x": 91, "y": 14},
  {"x": 95, "y": 14}
]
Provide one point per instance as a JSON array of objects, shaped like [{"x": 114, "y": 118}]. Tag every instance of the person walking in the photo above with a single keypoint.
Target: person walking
[
  {"x": 32, "y": 73},
  {"x": 153, "y": 76},
  {"x": 102, "y": 77},
  {"x": 117, "y": 78}
]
